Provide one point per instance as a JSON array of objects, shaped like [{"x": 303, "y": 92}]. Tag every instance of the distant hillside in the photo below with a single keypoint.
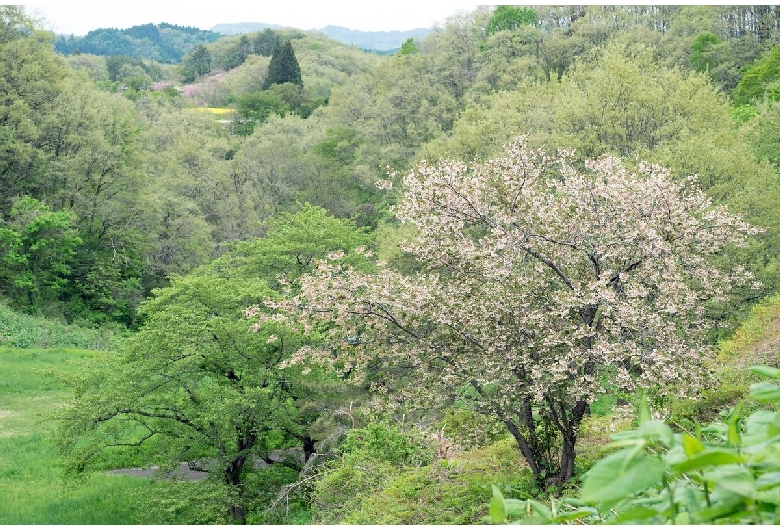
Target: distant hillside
[
  {"x": 165, "y": 43},
  {"x": 367, "y": 40}
]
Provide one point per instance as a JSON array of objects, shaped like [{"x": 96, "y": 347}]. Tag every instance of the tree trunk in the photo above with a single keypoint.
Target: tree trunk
[
  {"x": 237, "y": 512},
  {"x": 569, "y": 433},
  {"x": 525, "y": 449},
  {"x": 233, "y": 475},
  {"x": 566, "y": 422},
  {"x": 567, "y": 460},
  {"x": 233, "y": 479}
]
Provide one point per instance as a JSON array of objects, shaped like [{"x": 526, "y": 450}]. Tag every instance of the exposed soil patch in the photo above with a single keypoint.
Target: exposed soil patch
[{"x": 183, "y": 473}]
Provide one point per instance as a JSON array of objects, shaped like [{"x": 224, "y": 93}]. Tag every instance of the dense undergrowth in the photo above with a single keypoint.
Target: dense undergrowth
[{"x": 26, "y": 331}]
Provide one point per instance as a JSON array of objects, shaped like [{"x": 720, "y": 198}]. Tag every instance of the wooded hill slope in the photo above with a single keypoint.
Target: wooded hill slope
[{"x": 183, "y": 201}]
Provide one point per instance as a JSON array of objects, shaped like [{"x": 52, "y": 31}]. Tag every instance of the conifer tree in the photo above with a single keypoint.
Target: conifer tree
[{"x": 283, "y": 67}]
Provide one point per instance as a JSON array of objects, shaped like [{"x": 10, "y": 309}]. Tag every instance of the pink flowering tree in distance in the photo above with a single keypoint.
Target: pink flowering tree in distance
[{"x": 540, "y": 287}]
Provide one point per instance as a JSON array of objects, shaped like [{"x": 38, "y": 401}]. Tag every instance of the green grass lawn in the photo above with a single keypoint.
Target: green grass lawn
[{"x": 32, "y": 488}]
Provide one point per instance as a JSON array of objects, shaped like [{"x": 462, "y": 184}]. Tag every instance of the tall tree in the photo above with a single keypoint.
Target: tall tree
[
  {"x": 194, "y": 385},
  {"x": 196, "y": 63},
  {"x": 37, "y": 247},
  {"x": 284, "y": 67},
  {"x": 191, "y": 385},
  {"x": 542, "y": 287},
  {"x": 265, "y": 42}
]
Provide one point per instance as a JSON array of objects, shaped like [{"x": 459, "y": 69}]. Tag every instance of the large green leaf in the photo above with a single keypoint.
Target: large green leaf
[
  {"x": 656, "y": 430},
  {"x": 575, "y": 515},
  {"x": 711, "y": 457},
  {"x": 766, "y": 371},
  {"x": 733, "y": 479},
  {"x": 691, "y": 445},
  {"x": 636, "y": 514},
  {"x": 620, "y": 475},
  {"x": 541, "y": 510},
  {"x": 497, "y": 507},
  {"x": 765, "y": 392},
  {"x": 768, "y": 480}
]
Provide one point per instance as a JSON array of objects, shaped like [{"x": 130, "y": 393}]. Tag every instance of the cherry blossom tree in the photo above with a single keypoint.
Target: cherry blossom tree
[{"x": 541, "y": 287}]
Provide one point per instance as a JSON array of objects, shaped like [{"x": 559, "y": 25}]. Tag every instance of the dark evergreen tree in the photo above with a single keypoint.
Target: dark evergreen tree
[
  {"x": 196, "y": 63},
  {"x": 283, "y": 68}
]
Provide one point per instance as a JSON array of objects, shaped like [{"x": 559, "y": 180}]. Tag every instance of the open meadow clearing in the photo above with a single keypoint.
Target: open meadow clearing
[{"x": 32, "y": 488}]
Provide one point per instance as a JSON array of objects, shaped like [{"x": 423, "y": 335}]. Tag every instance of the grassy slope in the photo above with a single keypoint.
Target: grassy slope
[{"x": 32, "y": 490}]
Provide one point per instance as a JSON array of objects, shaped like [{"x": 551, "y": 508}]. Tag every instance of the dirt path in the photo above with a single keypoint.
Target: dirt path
[{"x": 183, "y": 473}]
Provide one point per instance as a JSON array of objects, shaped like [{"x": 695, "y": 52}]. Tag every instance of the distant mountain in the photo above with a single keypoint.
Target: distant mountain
[
  {"x": 367, "y": 40},
  {"x": 165, "y": 43},
  {"x": 243, "y": 27}
]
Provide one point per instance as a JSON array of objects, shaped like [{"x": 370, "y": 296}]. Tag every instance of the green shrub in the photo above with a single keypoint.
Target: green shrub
[
  {"x": 742, "y": 344},
  {"x": 179, "y": 502},
  {"x": 728, "y": 473},
  {"x": 447, "y": 492},
  {"x": 471, "y": 430},
  {"x": 369, "y": 459},
  {"x": 388, "y": 443},
  {"x": 343, "y": 485},
  {"x": 26, "y": 331}
]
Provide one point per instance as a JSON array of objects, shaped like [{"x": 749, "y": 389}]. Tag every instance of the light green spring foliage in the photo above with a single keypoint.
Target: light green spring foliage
[
  {"x": 36, "y": 252},
  {"x": 726, "y": 473},
  {"x": 508, "y": 18},
  {"x": 370, "y": 458},
  {"x": 753, "y": 341},
  {"x": 196, "y": 384},
  {"x": 20, "y": 330},
  {"x": 293, "y": 245},
  {"x": 366, "y": 488},
  {"x": 761, "y": 129},
  {"x": 760, "y": 81},
  {"x": 192, "y": 375}
]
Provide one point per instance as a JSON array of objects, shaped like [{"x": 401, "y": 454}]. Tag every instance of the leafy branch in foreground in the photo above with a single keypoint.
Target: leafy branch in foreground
[{"x": 728, "y": 473}]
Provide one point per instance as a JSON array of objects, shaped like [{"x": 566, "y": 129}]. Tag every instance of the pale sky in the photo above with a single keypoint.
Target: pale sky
[{"x": 81, "y": 17}]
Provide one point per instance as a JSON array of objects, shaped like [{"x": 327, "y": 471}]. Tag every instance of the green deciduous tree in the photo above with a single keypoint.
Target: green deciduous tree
[
  {"x": 705, "y": 50},
  {"x": 37, "y": 247},
  {"x": 256, "y": 107},
  {"x": 265, "y": 42},
  {"x": 191, "y": 385},
  {"x": 510, "y": 18},
  {"x": 194, "y": 384},
  {"x": 761, "y": 80}
]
